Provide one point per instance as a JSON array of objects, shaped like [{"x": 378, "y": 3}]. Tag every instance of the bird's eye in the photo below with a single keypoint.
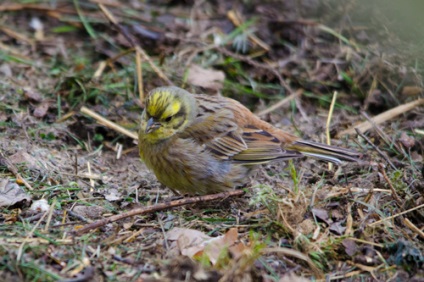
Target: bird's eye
[{"x": 168, "y": 119}]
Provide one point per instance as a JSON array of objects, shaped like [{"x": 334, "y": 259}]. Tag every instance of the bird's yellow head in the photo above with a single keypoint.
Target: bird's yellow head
[{"x": 168, "y": 110}]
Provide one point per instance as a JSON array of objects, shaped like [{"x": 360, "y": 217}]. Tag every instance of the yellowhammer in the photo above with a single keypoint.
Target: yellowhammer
[{"x": 200, "y": 144}]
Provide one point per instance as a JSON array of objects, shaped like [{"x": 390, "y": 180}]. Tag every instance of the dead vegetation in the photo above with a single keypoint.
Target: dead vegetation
[{"x": 64, "y": 171}]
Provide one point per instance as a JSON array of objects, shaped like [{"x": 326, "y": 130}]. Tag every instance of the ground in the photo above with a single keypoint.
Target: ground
[{"x": 62, "y": 169}]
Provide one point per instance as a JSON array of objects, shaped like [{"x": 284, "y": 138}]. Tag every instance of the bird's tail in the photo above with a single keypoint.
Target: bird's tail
[{"x": 324, "y": 152}]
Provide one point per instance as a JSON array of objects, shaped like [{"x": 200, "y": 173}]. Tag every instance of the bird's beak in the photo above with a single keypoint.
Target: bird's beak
[{"x": 152, "y": 125}]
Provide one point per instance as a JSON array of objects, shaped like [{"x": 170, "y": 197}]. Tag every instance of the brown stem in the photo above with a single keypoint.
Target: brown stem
[{"x": 158, "y": 207}]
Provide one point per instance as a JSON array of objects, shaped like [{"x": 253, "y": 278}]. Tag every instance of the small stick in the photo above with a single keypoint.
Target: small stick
[
  {"x": 108, "y": 123},
  {"x": 327, "y": 125},
  {"x": 12, "y": 168},
  {"x": 394, "y": 194},
  {"x": 157, "y": 207},
  {"x": 376, "y": 148}
]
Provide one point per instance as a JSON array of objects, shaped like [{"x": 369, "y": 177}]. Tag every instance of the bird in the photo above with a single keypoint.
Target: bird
[{"x": 199, "y": 144}]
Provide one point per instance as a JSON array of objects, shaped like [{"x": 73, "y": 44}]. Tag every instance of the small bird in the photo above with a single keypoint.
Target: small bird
[{"x": 201, "y": 144}]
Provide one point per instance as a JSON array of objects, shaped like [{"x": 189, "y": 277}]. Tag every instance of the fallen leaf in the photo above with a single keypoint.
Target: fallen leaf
[
  {"x": 11, "y": 194},
  {"x": 23, "y": 157},
  {"x": 195, "y": 244},
  {"x": 322, "y": 215},
  {"x": 337, "y": 228},
  {"x": 6, "y": 70},
  {"x": 407, "y": 140},
  {"x": 350, "y": 247},
  {"x": 91, "y": 212},
  {"x": 188, "y": 240},
  {"x": 31, "y": 94},
  {"x": 113, "y": 195},
  {"x": 206, "y": 78},
  {"x": 41, "y": 110}
]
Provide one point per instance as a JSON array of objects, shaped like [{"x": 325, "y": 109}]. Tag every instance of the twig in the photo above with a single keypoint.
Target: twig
[
  {"x": 108, "y": 123},
  {"x": 157, "y": 207},
  {"x": 364, "y": 126},
  {"x": 327, "y": 125},
  {"x": 396, "y": 215},
  {"x": 280, "y": 103},
  {"x": 12, "y": 168},
  {"x": 376, "y": 148},
  {"x": 394, "y": 194}
]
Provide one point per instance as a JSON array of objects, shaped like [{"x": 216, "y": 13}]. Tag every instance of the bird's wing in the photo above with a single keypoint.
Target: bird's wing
[
  {"x": 221, "y": 135},
  {"x": 262, "y": 147}
]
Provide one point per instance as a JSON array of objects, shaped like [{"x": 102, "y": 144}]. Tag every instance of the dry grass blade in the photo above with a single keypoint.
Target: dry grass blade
[
  {"x": 108, "y": 123},
  {"x": 327, "y": 125},
  {"x": 390, "y": 114},
  {"x": 413, "y": 227}
]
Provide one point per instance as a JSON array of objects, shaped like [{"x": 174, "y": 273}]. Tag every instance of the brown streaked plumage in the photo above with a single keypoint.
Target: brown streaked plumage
[{"x": 200, "y": 144}]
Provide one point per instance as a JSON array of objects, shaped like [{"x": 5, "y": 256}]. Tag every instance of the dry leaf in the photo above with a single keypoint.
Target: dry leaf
[
  {"x": 41, "y": 110},
  {"x": 206, "y": 78},
  {"x": 23, "y": 157},
  {"x": 350, "y": 247},
  {"x": 337, "y": 228},
  {"x": 91, "y": 212},
  {"x": 11, "y": 194},
  {"x": 6, "y": 70},
  {"x": 193, "y": 243},
  {"x": 406, "y": 140},
  {"x": 113, "y": 196},
  {"x": 322, "y": 215},
  {"x": 31, "y": 94}
]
